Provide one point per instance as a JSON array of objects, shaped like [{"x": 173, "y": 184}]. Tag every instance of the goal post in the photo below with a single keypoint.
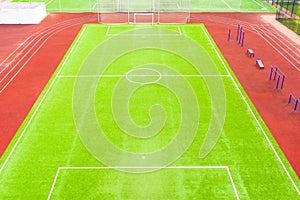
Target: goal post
[
  {"x": 143, "y": 18},
  {"x": 143, "y": 11}
]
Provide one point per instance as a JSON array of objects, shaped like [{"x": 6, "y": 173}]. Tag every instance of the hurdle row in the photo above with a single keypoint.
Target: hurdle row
[{"x": 240, "y": 35}]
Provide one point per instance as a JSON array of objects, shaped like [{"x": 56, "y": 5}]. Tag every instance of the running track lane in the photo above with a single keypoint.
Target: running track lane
[
  {"x": 271, "y": 104},
  {"x": 24, "y": 79}
]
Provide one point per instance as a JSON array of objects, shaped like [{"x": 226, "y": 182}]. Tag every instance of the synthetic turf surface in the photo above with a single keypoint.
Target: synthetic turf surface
[
  {"x": 206, "y": 5},
  {"x": 51, "y": 160}
]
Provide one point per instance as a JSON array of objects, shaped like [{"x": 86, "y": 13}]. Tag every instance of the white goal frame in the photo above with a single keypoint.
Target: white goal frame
[
  {"x": 143, "y": 14},
  {"x": 177, "y": 12}
]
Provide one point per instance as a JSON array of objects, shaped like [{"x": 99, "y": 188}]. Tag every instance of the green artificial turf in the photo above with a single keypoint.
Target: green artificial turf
[
  {"x": 165, "y": 5},
  {"x": 205, "y": 141}
]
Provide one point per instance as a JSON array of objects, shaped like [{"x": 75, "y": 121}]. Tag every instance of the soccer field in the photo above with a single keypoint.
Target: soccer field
[
  {"x": 144, "y": 5},
  {"x": 145, "y": 112}
]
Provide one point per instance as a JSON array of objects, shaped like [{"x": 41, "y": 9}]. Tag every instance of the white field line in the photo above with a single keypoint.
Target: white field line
[
  {"x": 33, "y": 54},
  {"x": 33, "y": 47},
  {"x": 252, "y": 113},
  {"x": 142, "y": 167},
  {"x": 95, "y": 6},
  {"x": 32, "y": 38},
  {"x": 145, "y": 167},
  {"x": 52, "y": 29},
  {"x": 227, "y": 4},
  {"x": 142, "y": 75},
  {"x": 276, "y": 49},
  {"x": 40, "y": 103},
  {"x": 75, "y": 10},
  {"x": 107, "y": 32},
  {"x": 232, "y": 183},
  {"x": 53, "y": 184},
  {"x": 48, "y": 2},
  {"x": 171, "y": 3},
  {"x": 179, "y": 30},
  {"x": 260, "y": 4},
  {"x": 158, "y": 35}
]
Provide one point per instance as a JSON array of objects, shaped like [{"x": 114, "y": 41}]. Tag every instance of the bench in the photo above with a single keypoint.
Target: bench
[
  {"x": 259, "y": 63},
  {"x": 250, "y": 53}
]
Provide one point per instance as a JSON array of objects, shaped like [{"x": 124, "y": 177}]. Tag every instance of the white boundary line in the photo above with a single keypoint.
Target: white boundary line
[
  {"x": 227, "y": 4},
  {"x": 232, "y": 183},
  {"x": 53, "y": 183},
  {"x": 146, "y": 167},
  {"x": 260, "y": 4},
  {"x": 252, "y": 113},
  {"x": 108, "y": 28},
  {"x": 179, "y": 30},
  {"x": 39, "y": 38},
  {"x": 229, "y": 74},
  {"x": 40, "y": 103},
  {"x": 48, "y": 2},
  {"x": 28, "y": 41},
  {"x": 159, "y": 35},
  {"x": 35, "y": 50},
  {"x": 142, "y": 75}
]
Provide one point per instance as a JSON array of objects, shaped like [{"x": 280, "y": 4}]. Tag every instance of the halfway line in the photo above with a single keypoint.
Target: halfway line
[{"x": 142, "y": 75}]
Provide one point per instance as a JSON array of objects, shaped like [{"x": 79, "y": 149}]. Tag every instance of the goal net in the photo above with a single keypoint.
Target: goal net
[{"x": 143, "y": 11}]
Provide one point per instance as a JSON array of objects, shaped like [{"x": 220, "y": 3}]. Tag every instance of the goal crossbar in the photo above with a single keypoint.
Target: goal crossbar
[{"x": 143, "y": 11}]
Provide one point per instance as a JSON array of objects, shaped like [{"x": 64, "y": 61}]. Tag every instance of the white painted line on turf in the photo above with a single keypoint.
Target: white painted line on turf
[
  {"x": 260, "y": 4},
  {"x": 143, "y": 75},
  {"x": 53, "y": 184},
  {"x": 232, "y": 183},
  {"x": 252, "y": 113},
  {"x": 107, "y": 31},
  {"x": 48, "y": 2},
  {"x": 32, "y": 38},
  {"x": 146, "y": 167},
  {"x": 56, "y": 29},
  {"x": 146, "y": 35},
  {"x": 141, "y": 167},
  {"x": 179, "y": 30},
  {"x": 40, "y": 103},
  {"x": 227, "y": 4},
  {"x": 158, "y": 76}
]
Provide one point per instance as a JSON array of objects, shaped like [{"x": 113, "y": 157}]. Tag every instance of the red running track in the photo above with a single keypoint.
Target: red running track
[
  {"x": 29, "y": 56},
  {"x": 17, "y": 98},
  {"x": 273, "y": 49}
]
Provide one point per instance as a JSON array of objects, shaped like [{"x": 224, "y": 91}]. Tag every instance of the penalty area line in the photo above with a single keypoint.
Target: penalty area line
[
  {"x": 108, "y": 34},
  {"x": 145, "y": 167},
  {"x": 107, "y": 31},
  {"x": 143, "y": 75},
  {"x": 59, "y": 169},
  {"x": 232, "y": 183},
  {"x": 179, "y": 30}
]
